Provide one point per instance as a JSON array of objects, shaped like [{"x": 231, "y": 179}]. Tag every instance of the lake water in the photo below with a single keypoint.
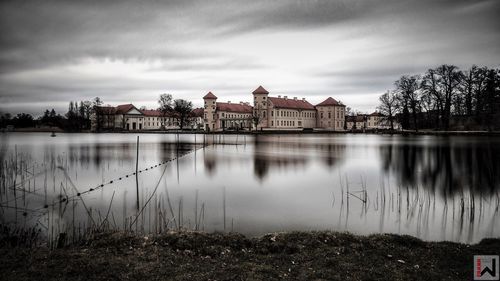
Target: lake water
[{"x": 435, "y": 188}]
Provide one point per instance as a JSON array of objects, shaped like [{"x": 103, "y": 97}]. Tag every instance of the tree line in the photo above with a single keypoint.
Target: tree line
[
  {"x": 79, "y": 114},
  {"x": 445, "y": 98},
  {"x": 77, "y": 118},
  {"x": 181, "y": 109}
]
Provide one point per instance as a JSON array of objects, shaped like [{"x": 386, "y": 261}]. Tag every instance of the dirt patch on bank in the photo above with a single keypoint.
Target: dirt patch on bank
[{"x": 202, "y": 256}]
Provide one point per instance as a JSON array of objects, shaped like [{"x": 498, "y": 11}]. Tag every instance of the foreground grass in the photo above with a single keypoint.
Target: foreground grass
[{"x": 201, "y": 256}]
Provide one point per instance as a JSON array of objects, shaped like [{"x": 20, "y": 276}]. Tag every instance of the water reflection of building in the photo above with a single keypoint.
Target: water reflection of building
[
  {"x": 272, "y": 152},
  {"x": 279, "y": 154},
  {"x": 331, "y": 153},
  {"x": 445, "y": 167}
]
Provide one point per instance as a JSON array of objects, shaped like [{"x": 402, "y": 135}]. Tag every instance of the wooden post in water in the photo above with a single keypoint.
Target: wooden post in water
[
  {"x": 224, "y": 206},
  {"x": 136, "y": 173}
]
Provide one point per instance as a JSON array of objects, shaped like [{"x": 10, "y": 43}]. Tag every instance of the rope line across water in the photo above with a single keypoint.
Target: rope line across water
[{"x": 67, "y": 198}]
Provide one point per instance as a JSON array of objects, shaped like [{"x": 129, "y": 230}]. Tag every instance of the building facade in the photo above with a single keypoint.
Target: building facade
[
  {"x": 357, "y": 122},
  {"x": 273, "y": 113},
  {"x": 127, "y": 117},
  {"x": 373, "y": 121},
  {"x": 331, "y": 115},
  {"x": 226, "y": 115}
]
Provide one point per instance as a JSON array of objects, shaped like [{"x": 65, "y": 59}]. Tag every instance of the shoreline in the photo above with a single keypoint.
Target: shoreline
[
  {"x": 272, "y": 132},
  {"x": 289, "y": 255}
]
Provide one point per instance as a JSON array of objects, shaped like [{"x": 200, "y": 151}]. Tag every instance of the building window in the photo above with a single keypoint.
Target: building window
[
  {"x": 272, "y": 113},
  {"x": 329, "y": 115},
  {"x": 321, "y": 114}
]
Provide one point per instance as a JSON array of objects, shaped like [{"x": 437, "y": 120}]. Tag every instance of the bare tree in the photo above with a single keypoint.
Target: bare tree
[
  {"x": 388, "y": 106},
  {"x": 86, "y": 110},
  {"x": 182, "y": 109},
  {"x": 166, "y": 106},
  {"x": 349, "y": 111},
  {"x": 467, "y": 86},
  {"x": 490, "y": 113},
  {"x": 408, "y": 87},
  {"x": 449, "y": 79},
  {"x": 257, "y": 116},
  {"x": 445, "y": 92},
  {"x": 96, "y": 103},
  {"x": 432, "y": 97},
  {"x": 480, "y": 90}
]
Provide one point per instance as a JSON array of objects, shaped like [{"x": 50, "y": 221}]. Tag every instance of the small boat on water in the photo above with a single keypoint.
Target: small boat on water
[{"x": 53, "y": 134}]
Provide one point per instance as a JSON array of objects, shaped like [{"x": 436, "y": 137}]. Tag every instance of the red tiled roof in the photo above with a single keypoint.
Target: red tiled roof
[
  {"x": 157, "y": 113},
  {"x": 209, "y": 96},
  {"x": 197, "y": 112},
  {"x": 260, "y": 90},
  {"x": 124, "y": 108},
  {"x": 234, "y": 107},
  {"x": 329, "y": 102},
  {"x": 291, "y": 103},
  {"x": 152, "y": 112},
  {"x": 106, "y": 109}
]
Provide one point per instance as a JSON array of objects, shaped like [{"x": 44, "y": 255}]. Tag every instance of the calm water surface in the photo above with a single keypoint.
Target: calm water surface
[{"x": 435, "y": 188}]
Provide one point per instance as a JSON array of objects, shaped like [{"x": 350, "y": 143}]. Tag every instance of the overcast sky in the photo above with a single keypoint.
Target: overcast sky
[{"x": 132, "y": 51}]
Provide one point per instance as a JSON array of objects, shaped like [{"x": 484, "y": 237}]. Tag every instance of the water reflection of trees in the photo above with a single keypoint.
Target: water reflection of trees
[
  {"x": 170, "y": 150},
  {"x": 101, "y": 153},
  {"x": 444, "y": 167}
]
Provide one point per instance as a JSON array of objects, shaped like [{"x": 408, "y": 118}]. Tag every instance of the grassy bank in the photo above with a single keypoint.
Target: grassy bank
[{"x": 201, "y": 256}]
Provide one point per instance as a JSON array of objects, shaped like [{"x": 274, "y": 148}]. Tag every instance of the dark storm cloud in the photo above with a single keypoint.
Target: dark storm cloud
[
  {"x": 286, "y": 15},
  {"x": 44, "y": 33},
  {"x": 350, "y": 47}
]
